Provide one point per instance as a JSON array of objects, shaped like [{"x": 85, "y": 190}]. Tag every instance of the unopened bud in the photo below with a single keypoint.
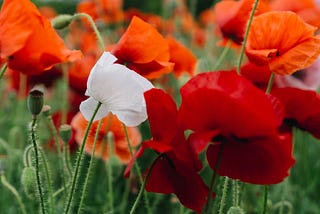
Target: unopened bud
[
  {"x": 46, "y": 110},
  {"x": 235, "y": 210},
  {"x": 35, "y": 100},
  {"x": 28, "y": 181},
  {"x": 65, "y": 132},
  {"x": 61, "y": 21}
]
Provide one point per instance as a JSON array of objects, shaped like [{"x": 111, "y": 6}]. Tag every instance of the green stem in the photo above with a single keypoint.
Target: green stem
[
  {"x": 58, "y": 145},
  {"x": 270, "y": 82},
  {"x": 213, "y": 178},
  {"x": 224, "y": 194},
  {"x": 26, "y": 156},
  {"x": 255, "y": 5},
  {"x": 46, "y": 169},
  {"x": 79, "y": 157},
  {"x": 141, "y": 191},
  {"x": 137, "y": 168},
  {"x": 94, "y": 27},
  {"x": 235, "y": 193},
  {"x": 67, "y": 159},
  {"x": 90, "y": 166},
  {"x": 14, "y": 192},
  {"x": 109, "y": 171},
  {"x": 35, "y": 147},
  {"x": 222, "y": 56},
  {"x": 3, "y": 70},
  {"x": 265, "y": 199}
]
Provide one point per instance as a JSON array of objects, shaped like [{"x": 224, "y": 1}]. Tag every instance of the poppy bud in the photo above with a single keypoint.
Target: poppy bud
[
  {"x": 61, "y": 21},
  {"x": 46, "y": 110},
  {"x": 235, "y": 210},
  {"x": 28, "y": 181},
  {"x": 35, "y": 101},
  {"x": 65, "y": 132}
]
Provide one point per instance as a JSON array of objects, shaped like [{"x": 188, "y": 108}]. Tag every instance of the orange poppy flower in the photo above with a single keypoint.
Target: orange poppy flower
[
  {"x": 283, "y": 41},
  {"x": 27, "y": 40},
  {"x": 306, "y": 9},
  {"x": 143, "y": 49},
  {"x": 232, "y": 16},
  {"x": 121, "y": 150},
  {"x": 184, "y": 60}
]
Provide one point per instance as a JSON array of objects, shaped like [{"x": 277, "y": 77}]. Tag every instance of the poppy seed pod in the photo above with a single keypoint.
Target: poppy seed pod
[
  {"x": 65, "y": 132},
  {"x": 28, "y": 178},
  {"x": 35, "y": 100},
  {"x": 61, "y": 21}
]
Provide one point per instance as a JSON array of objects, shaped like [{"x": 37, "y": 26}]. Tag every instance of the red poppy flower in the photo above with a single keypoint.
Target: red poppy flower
[
  {"x": 224, "y": 108},
  {"x": 27, "y": 40},
  {"x": 184, "y": 60},
  {"x": 270, "y": 43},
  {"x": 176, "y": 171},
  {"x": 232, "y": 17},
  {"x": 143, "y": 50},
  {"x": 302, "y": 108},
  {"x": 79, "y": 124}
]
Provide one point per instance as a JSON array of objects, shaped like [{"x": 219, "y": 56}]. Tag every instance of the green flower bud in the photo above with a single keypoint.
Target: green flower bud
[
  {"x": 235, "y": 210},
  {"x": 35, "y": 100},
  {"x": 46, "y": 110},
  {"x": 61, "y": 21},
  {"x": 28, "y": 181},
  {"x": 65, "y": 132}
]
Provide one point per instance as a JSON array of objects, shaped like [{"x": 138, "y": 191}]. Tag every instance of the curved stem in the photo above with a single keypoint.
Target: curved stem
[
  {"x": 137, "y": 168},
  {"x": 3, "y": 70},
  {"x": 14, "y": 192},
  {"x": 35, "y": 147},
  {"x": 224, "y": 194},
  {"x": 79, "y": 157},
  {"x": 65, "y": 98},
  {"x": 270, "y": 82},
  {"x": 46, "y": 169},
  {"x": 94, "y": 27},
  {"x": 135, "y": 205},
  {"x": 90, "y": 166},
  {"x": 255, "y": 5},
  {"x": 222, "y": 56},
  {"x": 26, "y": 156},
  {"x": 213, "y": 178}
]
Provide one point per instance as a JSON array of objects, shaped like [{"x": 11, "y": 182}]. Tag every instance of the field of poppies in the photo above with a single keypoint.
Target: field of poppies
[{"x": 173, "y": 106}]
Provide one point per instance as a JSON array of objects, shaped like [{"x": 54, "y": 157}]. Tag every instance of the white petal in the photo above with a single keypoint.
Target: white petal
[
  {"x": 121, "y": 89},
  {"x": 105, "y": 59},
  {"x": 88, "y": 107}
]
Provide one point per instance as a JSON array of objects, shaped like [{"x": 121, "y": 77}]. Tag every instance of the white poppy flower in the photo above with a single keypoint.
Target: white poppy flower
[{"x": 119, "y": 89}]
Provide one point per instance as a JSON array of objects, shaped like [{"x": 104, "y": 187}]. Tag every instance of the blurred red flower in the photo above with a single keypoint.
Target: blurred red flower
[
  {"x": 27, "y": 41},
  {"x": 223, "y": 108},
  {"x": 283, "y": 41},
  {"x": 232, "y": 17},
  {"x": 302, "y": 109},
  {"x": 144, "y": 50},
  {"x": 176, "y": 171}
]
